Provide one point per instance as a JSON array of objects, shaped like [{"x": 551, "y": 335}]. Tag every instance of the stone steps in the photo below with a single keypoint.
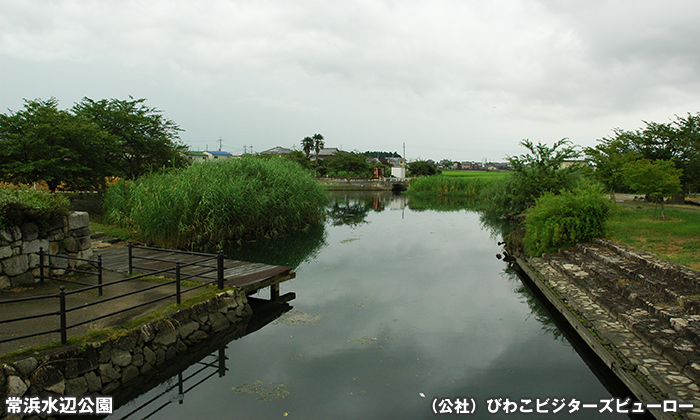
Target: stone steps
[{"x": 652, "y": 298}]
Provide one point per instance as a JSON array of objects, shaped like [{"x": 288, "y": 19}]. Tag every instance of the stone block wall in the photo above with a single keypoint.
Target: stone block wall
[
  {"x": 19, "y": 248},
  {"x": 103, "y": 368}
]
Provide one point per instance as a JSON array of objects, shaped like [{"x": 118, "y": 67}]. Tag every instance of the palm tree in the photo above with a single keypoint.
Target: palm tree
[
  {"x": 307, "y": 143},
  {"x": 318, "y": 144}
]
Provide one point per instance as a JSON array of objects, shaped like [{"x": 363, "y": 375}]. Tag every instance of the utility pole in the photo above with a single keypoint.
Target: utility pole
[{"x": 220, "y": 143}]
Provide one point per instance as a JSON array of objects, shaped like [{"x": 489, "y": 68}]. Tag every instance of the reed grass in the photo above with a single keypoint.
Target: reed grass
[
  {"x": 215, "y": 202},
  {"x": 445, "y": 185}
]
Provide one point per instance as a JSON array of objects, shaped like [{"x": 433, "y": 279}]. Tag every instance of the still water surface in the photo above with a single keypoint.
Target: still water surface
[{"x": 391, "y": 304}]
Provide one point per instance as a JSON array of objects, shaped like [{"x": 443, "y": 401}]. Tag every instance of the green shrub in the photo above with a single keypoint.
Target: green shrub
[
  {"x": 25, "y": 205},
  {"x": 559, "y": 220},
  {"x": 214, "y": 202}
]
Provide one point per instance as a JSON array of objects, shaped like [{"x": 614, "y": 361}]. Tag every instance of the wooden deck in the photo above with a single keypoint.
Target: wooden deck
[{"x": 247, "y": 276}]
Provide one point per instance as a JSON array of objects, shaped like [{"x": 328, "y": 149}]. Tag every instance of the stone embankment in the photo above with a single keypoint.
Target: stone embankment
[
  {"x": 104, "y": 368},
  {"x": 639, "y": 313},
  {"x": 383, "y": 184},
  {"x": 20, "y": 245}
]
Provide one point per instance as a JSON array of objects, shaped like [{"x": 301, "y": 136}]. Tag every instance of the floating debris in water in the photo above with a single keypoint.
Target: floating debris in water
[
  {"x": 364, "y": 340},
  {"x": 345, "y": 241},
  {"x": 297, "y": 317},
  {"x": 267, "y": 392}
]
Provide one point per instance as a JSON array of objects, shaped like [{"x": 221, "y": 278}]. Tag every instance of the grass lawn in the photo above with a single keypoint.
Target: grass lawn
[
  {"x": 473, "y": 174},
  {"x": 676, "y": 239}
]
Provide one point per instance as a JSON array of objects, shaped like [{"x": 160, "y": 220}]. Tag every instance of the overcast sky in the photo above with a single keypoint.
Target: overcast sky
[{"x": 457, "y": 79}]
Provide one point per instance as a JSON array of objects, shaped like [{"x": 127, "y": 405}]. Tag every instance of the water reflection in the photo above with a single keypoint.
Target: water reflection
[
  {"x": 173, "y": 382},
  {"x": 398, "y": 304},
  {"x": 351, "y": 208},
  {"x": 290, "y": 250}
]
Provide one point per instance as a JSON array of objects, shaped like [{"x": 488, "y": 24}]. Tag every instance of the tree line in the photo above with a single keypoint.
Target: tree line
[{"x": 78, "y": 148}]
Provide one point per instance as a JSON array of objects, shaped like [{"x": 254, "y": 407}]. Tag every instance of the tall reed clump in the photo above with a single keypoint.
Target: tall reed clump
[
  {"x": 211, "y": 203},
  {"x": 558, "y": 220},
  {"x": 440, "y": 185}
]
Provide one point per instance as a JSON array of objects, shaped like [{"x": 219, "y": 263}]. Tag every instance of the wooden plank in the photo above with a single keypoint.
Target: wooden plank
[{"x": 247, "y": 275}]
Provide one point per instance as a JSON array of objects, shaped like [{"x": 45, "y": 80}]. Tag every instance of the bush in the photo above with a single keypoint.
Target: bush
[
  {"x": 576, "y": 215},
  {"x": 422, "y": 168},
  {"x": 210, "y": 203},
  {"x": 24, "y": 205}
]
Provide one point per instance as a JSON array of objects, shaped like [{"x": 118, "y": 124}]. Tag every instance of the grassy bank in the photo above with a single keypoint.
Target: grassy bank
[
  {"x": 209, "y": 204},
  {"x": 675, "y": 239},
  {"x": 466, "y": 184}
]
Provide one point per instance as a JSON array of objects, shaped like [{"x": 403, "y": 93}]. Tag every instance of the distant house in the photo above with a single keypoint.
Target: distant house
[
  {"x": 326, "y": 153},
  {"x": 574, "y": 162},
  {"x": 196, "y": 157},
  {"x": 217, "y": 155},
  {"x": 396, "y": 162},
  {"x": 279, "y": 150}
]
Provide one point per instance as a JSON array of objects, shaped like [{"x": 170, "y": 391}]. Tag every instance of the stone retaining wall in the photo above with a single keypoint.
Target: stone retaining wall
[
  {"x": 19, "y": 248},
  {"x": 102, "y": 368},
  {"x": 357, "y": 183}
]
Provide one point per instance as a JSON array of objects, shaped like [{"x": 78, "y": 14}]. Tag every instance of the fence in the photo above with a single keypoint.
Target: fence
[{"x": 175, "y": 270}]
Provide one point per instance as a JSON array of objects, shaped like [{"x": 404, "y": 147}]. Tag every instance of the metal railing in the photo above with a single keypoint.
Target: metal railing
[{"x": 63, "y": 310}]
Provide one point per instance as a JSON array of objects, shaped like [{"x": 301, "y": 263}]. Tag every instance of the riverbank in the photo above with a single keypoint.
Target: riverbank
[
  {"x": 358, "y": 184},
  {"x": 638, "y": 313}
]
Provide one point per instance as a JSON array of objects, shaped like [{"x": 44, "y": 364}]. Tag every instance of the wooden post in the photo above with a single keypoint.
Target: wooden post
[{"x": 274, "y": 291}]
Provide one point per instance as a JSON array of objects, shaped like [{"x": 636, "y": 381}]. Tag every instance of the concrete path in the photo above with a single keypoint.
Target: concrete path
[{"x": 15, "y": 310}]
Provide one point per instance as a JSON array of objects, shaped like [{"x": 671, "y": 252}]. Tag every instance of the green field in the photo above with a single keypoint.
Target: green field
[
  {"x": 474, "y": 174},
  {"x": 676, "y": 239}
]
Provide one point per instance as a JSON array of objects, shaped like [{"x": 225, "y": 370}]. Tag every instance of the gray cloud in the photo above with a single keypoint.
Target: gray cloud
[{"x": 458, "y": 79}]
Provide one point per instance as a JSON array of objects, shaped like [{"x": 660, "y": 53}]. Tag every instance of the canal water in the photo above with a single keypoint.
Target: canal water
[{"x": 399, "y": 311}]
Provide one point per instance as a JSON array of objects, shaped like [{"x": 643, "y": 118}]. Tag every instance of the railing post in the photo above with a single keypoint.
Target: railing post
[
  {"x": 220, "y": 269},
  {"x": 222, "y": 361},
  {"x": 177, "y": 281},
  {"x": 62, "y": 301},
  {"x": 129, "y": 245},
  {"x": 99, "y": 275},
  {"x": 41, "y": 264}
]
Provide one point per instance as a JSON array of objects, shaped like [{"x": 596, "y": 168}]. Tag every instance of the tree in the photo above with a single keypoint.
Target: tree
[
  {"x": 318, "y": 144},
  {"x": 43, "y": 143},
  {"x": 348, "y": 164},
  {"x": 609, "y": 157},
  {"x": 299, "y": 157},
  {"x": 658, "y": 179},
  {"x": 422, "y": 168},
  {"x": 540, "y": 172},
  {"x": 677, "y": 140},
  {"x": 146, "y": 141},
  {"x": 307, "y": 143},
  {"x": 380, "y": 155}
]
